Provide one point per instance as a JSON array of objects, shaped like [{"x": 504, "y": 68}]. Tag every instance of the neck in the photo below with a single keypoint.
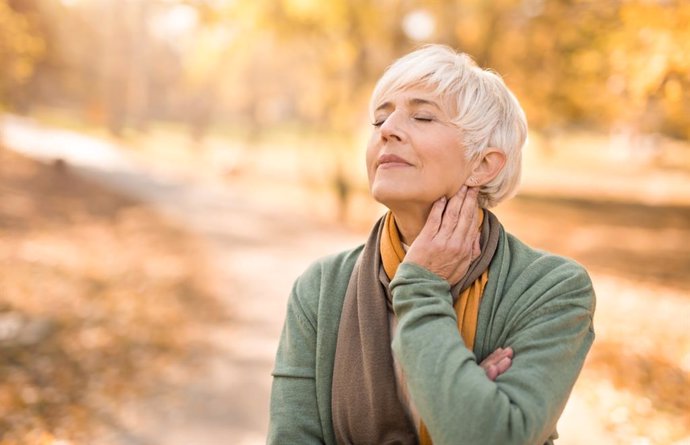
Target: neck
[{"x": 410, "y": 221}]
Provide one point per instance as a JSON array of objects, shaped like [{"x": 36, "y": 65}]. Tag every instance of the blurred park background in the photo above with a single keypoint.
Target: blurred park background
[{"x": 158, "y": 158}]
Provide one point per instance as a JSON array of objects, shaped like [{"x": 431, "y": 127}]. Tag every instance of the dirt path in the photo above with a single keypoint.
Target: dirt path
[{"x": 228, "y": 401}]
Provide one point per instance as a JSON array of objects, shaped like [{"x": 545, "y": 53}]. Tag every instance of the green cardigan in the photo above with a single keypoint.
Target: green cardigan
[{"x": 539, "y": 304}]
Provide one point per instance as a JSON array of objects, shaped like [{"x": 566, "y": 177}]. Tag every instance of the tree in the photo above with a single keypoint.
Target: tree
[{"x": 20, "y": 50}]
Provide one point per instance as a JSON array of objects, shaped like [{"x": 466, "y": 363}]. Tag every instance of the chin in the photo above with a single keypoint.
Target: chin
[{"x": 395, "y": 197}]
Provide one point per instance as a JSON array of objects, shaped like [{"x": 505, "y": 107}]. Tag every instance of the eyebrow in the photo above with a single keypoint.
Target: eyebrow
[{"x": 413, "y": 101}]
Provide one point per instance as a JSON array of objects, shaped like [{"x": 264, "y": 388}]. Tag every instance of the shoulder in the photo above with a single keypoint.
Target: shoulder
[
  {"x": 335, "y": 267},
  {"x": 324, "y": 282},
  {"x": 546, "y": 276}
]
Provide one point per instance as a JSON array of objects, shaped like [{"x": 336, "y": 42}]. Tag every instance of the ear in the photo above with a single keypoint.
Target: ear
[{"x": 486, "y": 167}]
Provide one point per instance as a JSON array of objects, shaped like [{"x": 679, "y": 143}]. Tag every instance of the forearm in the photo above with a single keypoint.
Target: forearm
[{"x": 451, "y": 391}]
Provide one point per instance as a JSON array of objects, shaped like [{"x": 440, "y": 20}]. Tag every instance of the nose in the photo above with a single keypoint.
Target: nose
[{"x": 392, "y": 128}]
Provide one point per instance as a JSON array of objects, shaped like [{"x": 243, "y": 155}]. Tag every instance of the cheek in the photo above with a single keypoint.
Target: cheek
[
  {"x": 451, "y": 171},
  {"x": 371, "y": 156}
]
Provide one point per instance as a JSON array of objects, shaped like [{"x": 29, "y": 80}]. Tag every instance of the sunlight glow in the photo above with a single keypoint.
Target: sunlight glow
[
  {"x": 419, "y": 25},
  {"x": 175, "y": 22}
]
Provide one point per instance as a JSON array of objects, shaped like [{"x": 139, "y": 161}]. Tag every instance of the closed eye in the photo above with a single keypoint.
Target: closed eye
[{"x": 377, "y": 123}]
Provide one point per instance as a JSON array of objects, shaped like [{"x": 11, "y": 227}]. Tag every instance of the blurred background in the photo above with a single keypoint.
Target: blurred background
[{"x": 159, "y": 159}]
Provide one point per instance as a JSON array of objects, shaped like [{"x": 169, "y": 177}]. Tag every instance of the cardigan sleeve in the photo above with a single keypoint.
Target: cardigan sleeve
[
  {"x": 550, "y": 331},
  {"x": 294, "y": 416}
]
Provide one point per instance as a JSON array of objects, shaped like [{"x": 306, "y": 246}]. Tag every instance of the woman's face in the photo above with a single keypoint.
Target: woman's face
[{"x": 415, "y": 154}]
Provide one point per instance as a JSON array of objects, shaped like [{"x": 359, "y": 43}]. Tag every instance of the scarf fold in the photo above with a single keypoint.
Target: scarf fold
[{"x": 366, "y": 408}]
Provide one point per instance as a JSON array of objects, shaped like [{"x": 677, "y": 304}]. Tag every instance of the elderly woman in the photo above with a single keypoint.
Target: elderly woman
[{"x": 443, "y": 328}]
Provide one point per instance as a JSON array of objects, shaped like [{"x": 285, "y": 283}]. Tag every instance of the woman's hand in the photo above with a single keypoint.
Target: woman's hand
[
  {"x": 449, "y": 240},
  {"x": 497, "y": 363}
]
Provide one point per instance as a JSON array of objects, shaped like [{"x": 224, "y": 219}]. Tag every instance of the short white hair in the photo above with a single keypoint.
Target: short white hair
[{"x": 483, "y": 108}]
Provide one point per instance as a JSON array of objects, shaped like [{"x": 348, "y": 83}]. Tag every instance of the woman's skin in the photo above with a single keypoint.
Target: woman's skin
[{"x": 408, "y": 157}]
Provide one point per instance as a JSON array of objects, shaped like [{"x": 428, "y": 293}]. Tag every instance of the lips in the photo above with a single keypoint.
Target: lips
[{"x": 391, "y": 160}]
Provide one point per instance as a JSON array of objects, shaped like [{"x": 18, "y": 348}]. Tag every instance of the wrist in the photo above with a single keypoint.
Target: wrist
[{"x": 415, "y": 285}]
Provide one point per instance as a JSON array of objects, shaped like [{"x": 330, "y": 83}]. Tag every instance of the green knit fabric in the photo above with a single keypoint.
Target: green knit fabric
[{"x": 539, "y": 304}]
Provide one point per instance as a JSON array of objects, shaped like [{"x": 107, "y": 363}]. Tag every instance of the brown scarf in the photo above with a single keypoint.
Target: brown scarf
[{"x": 365, "y": 403}]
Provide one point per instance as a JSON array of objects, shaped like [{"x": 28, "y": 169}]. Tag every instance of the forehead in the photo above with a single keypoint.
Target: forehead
[{"x": 412, "y": 96}]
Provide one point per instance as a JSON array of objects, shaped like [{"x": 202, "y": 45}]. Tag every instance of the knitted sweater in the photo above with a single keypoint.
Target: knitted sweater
[{"x": 541, "y": 305}]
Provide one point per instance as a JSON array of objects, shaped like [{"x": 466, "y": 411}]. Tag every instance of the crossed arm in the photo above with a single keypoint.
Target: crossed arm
[
  {"x": 452, "y": 392},
  {"x": 523, "y": 396}
]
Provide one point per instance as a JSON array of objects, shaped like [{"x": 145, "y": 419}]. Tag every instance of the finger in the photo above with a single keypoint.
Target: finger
[
  {"x": 494, "y": 356},
  {"x": 476, "y": 248},
  {"x": 492, "y": 372},
  {"x": 452, "y": 213},
  {"x": 466, "y": 243},
  {"x": 493, "y": 367},
  {"x": 433, "y": 221},
  {"x": 503, "y": 365},
  {"x": 468, "y": 215}
]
